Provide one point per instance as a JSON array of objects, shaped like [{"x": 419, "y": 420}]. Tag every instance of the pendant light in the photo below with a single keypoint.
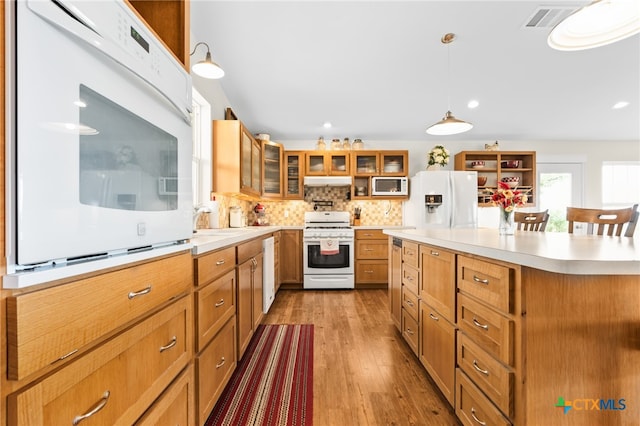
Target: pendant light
[
  {"x": 449, "y": 125},
  {"x": 600, "y": 23},
  {"x": 206, "y": 68}
]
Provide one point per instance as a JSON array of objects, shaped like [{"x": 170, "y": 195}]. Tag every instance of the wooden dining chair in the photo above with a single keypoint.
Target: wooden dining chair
[
  {"x": 604, "y": 222},
  {"x": 532, "y": 221}
]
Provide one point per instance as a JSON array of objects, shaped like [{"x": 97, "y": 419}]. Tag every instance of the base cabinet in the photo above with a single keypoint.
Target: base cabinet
[
  {"x": 116, "y": 382},
  {"x": 371, "y": 257}
]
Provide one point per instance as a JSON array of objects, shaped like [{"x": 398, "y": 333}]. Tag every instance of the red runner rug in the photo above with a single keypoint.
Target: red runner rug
[{"x": 273, "y": 383}]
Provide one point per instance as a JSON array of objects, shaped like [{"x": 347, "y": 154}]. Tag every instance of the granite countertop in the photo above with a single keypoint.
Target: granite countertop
[{"x": 549, "y": 251}]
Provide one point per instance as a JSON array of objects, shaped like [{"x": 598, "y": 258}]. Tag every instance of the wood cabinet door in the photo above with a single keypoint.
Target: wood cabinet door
[
  {"x": 395, "y": 284},
  {"x": 293, "y": 175},
  {"x": 291, "y": 255},
  {"x": 437, "y": 349},
  {"x": 438, "y": 280},
  {"x": 244, "y": 306},
  {"x": 272, "y": 170},
  {"x": 257, "y": 291}
]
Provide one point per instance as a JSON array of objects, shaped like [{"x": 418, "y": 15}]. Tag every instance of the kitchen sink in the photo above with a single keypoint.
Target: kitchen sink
[{"x": 223, "y": 232}]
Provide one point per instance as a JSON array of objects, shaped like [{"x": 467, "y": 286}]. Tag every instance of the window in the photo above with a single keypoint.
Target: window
[
  {"x": 620, "y": 183},
  {"x": 201, "y": 161},
  {"x": 559, "y": 186}
]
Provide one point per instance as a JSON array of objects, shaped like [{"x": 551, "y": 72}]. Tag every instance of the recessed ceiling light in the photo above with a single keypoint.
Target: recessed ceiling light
[
  {"x": 473, "y": 104},
  {"x": 326, "y": 125},
  {"x": 620, "y": 105}
]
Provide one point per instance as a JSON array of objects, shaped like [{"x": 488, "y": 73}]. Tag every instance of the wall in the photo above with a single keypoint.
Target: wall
[{"x": 593, "y": 153}]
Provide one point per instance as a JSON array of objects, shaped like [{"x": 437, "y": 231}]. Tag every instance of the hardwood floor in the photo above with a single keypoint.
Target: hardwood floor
[{"x": 364, "y": 372}]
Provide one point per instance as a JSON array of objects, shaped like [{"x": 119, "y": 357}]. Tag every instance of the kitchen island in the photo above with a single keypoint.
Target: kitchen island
[{"x": 546, "y": 328}]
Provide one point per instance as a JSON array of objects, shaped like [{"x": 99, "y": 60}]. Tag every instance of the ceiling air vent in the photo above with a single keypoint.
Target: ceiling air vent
[{"x": 548, "y": 16}]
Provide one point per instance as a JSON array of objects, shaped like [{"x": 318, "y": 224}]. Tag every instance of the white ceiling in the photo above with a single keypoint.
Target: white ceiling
[{"x": 378, "y": 71}]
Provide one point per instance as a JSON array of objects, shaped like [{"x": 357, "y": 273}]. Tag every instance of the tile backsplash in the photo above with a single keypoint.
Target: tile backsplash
[{"x": 291, "y": 213}]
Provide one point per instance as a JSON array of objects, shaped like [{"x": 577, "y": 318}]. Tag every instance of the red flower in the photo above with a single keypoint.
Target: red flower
[{"x": 508, "y": 199}]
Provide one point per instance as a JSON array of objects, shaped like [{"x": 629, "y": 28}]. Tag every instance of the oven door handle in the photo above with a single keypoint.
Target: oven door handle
[{"x": 80, "y": 26}]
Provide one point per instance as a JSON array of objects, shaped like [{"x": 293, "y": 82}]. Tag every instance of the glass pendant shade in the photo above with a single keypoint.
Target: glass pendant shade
[
  {"x": 449, "y": 125},
  {"x": 600, "y": 23}
]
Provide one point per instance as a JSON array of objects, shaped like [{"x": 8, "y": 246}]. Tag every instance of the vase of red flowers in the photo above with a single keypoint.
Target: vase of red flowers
[{"x": 507, "y": 199}]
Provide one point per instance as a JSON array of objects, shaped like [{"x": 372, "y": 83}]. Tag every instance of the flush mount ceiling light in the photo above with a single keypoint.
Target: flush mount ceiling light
[
  {"x": 206, "y": 68},
  {"x": 449, "y": 125},
  {"x": 600, "y": 23}
]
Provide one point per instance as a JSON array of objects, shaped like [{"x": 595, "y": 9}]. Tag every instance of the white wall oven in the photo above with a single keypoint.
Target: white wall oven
[
  {"x": 328, "y": 251},
  {"x": 101, "y": 137}
]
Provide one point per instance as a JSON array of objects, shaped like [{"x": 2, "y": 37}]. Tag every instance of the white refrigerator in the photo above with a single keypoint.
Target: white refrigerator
[{"x": 442, "y": 199}]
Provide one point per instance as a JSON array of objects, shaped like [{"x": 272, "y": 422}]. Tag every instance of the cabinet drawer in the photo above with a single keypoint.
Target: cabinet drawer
[
  {"x": 487, "y": 281},
  {"x": 472, "y": 407},
  {"x": 371, "y": 271},
  {"x": 495, "y": 380},
  {"x": 410, "y": 302},
  {"x": 176, "y": 406},
  {"x": 410, "y": 331},
  {"x": 249, "y": 250},
  {"x": 372, "y": 249},
  {"x": 214, "y": 264},
  {"x": 124, "y": 375},
  {"x": 214, "y": 367},
  {"x": 215, "y": 304},
  {"x": 491, "y": 330},
  {"x": 370, "y": 234},
  {"x": 46, "y": 326},
  {"x": 411, "y": 278},
  {"x": 410, "y": 253}
]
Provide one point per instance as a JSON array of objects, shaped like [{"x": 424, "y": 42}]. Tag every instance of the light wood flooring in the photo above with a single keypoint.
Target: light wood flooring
[{"x": 364, "y": 372}]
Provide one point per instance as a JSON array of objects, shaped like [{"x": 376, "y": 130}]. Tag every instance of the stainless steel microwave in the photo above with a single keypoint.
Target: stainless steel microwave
[{"x": 391, "y": 186}]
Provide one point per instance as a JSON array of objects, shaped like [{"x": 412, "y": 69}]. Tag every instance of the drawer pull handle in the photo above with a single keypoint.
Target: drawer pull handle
[
  {"x": 63, "y": 357},
  {"x": 368, "y": 235},
  {"x": 409, "y": 331},
  {"x": 475, "y": 365},
  {"x": 473, "y": 414},
  {"x": 99, "y": 406},
  {"x": 142, "y": 292},
  {"x": 220, "y": 303},
  {"x": 433, "y": 317},
  {"x": 480, "y": 280},
  {"x": 410, "y": 303},
  {"x": 369, "y": 271},
  {"x": 368, "y": 249},
  {"x": 169, "y": 345},
  {"x": 221, "y": 363},
  {"x": 220, "y": 262},
  {"x": 435, "y": 253},
  {"x": 477, "y": 324}
]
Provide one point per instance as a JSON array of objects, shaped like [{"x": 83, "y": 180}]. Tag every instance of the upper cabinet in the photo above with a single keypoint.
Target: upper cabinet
[
  {"x": 272, "y": 155},
  {"x": 493, "y": 166},
  {"x": 379, "y": 163},
  {"x": 237, "y": 159},
  {"x": 293, "y": 175},
  {"x": 169, "y": 19},
  {"x": 327, "y": 163}
]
